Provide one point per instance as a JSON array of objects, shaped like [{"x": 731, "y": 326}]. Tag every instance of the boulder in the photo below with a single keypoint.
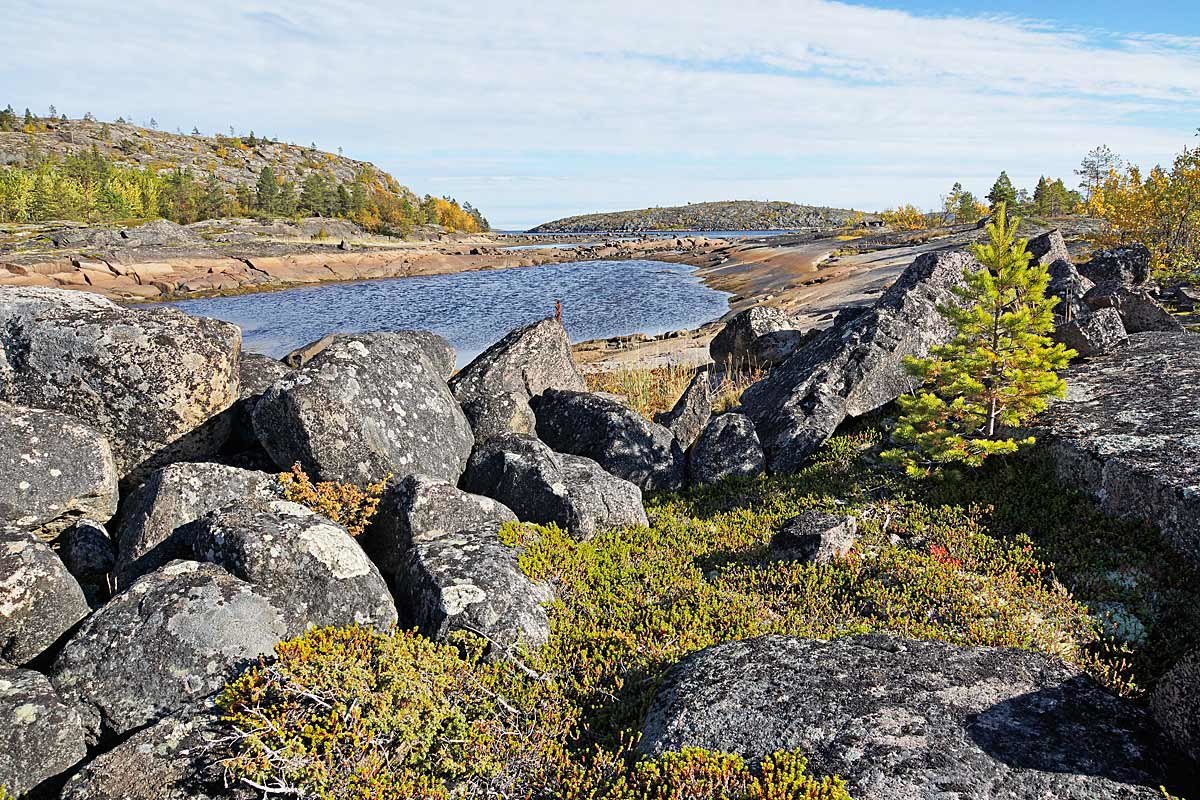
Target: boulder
[
  {"x": 256, "y": 374},
  {"x": 1140, "y": 313},
  {"x": 419, "y": 507},
  {"x": 728, "y": 448},
  {"x": 1125, "y": 266},
  {"x": 171, "y": 639},
  {"x": 734, "y": 346},
  {"x": 816, "y": 537},
  {"x": 308, "y": 566},
  {"x": 494, "y": 389},
  {"x": 169, "y": 760},
  {"x": 908, "y": 720},
  {"x": 40, "y": 737},
  {"x": 39, "y": 599},
  {"x": 364, "y": 408},
  {"x": 611, "y": 434},
  {"x": 1070, "y": 288},
  {"x": 1092, "y": 333},
  {"x": 53, "y": 470},
  {"x": 1176, "y": 705},
  {"x": 1048, "y": 247},
  {"x": 154, "y": 383},
  {"x": 1128, "y": 432},
  {"x": 542, "y": 486},
  {"x": 469, "y": 580},
  {"x": 154, "y": 518},
  {"x": 692, "y": 411},
  {"x": 439, "y": 351},
  {"x": 857, "y": 365},
  {"x": 87, "y": 550}
]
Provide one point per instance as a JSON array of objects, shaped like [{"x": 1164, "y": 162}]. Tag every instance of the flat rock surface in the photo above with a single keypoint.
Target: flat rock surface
[
  {"x": 908, "y": 720},
  {"x": 1129, "y": 432}
]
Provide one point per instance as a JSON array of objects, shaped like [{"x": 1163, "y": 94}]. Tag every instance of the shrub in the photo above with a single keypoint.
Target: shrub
[
  {"x": 905, "y": 218},
  {"x": 696, "y": 773},
  {"x": 348, "y": 505}
]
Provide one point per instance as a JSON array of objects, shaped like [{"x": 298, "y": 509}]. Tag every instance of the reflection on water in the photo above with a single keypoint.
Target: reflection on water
[{"x": 474, "y": 309}]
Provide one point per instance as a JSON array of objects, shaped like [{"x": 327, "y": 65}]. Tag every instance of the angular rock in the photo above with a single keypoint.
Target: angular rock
[
  {"x": 39, "y": 599},
  {"x": 1125, "y": 266},
  {"x": 908, "y": 720},
  {"x": 692, "y": 411},
  {"x": 1128, "y": 432},
  {"x": 419, "y": 507},
  {"x": 542, "y": 486},
  {"x": 53, "y": 470},
  {"x": 728, "y": 448},
  {"x": 1070, "y": 288},
  {"x": 856, "y": 366},
  {"x": 152, "y": 382},
  {"x": 734, "y": 347},
  {"x": 1093, "y": 333},
  {"x": 439, "y": 351},
  {"x": 1176, "y": 705},
  {"x": 172, "y": 638},
  {"x": 1048, "y": 247},
  {"x": 154, "y": 518},
  {"x": 170, "y": 760},
  {"x": 1140, "y": 313},
  {"x": 611, "y": 434},
  {"x": 306, "y": 565},
  {"x": 494, "y": 389},
  {"x": 816, "y": 537},
  {"x": 363, "y": 408},
  {"x": 470, "y": 580},
  {"x": 256, "y": 373},
  {"x": 40, "y": 737}
]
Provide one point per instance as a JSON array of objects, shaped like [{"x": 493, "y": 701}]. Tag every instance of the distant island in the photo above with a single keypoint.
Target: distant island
[{"x": 726, "y": 215}]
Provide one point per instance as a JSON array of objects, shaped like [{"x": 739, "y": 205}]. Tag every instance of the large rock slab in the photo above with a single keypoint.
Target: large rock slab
[
  {"x": 39, "y": 599},
  {"x": 740, "y": 344},
  {"x": 1140, "y": 313},
  {"x": 542, "y": 486},
  {"x": 155, "y": 517},
  {"x": 611, "y": 434},
  {"x": 689, "y": 415},
  {"x": 1176, "y": 705},
  {"x": 53, "y": 471},
  {"x": 171, "y": 639},
  {"x": 40, "y": 737},
  {"x": 308, "y": 566},
  {"x": 907, "y": 720},
  {"x": 856, "y": 366},
  {"x": 1129, "y": 433},
  {"x": 154, "y": 383},
  {"x": 1125, "y": 266},
  {"x": 366, "y": 407},
  {"x": 494, "y": 389},
  {"x": 728, "y": 448}
]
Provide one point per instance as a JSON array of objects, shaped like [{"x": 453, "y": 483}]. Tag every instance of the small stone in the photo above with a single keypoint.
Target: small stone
[{"x": 816, "y": 537}]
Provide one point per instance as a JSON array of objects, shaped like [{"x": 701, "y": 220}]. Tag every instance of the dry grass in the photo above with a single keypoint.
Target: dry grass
[{"x": 653, "y": 391}]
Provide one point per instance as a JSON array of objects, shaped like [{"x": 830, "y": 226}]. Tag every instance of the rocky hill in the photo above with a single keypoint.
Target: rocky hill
[{"x": 726, "y": 215}]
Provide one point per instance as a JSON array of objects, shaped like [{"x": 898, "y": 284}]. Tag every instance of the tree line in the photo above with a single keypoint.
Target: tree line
[{"x": 1050, "y": 198}]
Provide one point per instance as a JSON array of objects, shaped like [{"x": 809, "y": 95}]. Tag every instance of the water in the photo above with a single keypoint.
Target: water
[{"x": 473, "y": 309}]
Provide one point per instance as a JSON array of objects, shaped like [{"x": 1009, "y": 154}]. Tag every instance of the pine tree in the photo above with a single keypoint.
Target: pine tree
[
  {"x": 314, "y": 195},
  {"x": 213, "y": 201},
  {"x": 998, "y": 372},
  {"x": 1003, "y": 192},
  {"x": 267, "y": 191},
  {"x": 29, "y": 120},
  {"x": 287, "y": 199}
]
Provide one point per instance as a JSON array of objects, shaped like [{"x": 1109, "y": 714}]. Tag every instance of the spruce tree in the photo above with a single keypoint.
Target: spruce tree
[
  {"x": 999, "y": 371},
  {"x": 267, "y": 198}
]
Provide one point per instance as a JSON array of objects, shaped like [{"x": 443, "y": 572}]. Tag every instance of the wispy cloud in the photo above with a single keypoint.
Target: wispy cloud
[{"x": 627, "y": 104}]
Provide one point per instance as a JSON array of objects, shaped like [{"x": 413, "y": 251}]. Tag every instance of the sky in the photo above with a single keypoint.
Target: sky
[{"x": 537, "y": 109}]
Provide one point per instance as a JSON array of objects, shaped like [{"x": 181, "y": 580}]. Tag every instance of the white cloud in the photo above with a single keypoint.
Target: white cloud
[{"x": 535, "y": 109}]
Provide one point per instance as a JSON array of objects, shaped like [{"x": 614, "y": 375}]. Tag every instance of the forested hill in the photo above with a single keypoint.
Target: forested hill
[
  {"x": 728, "y": 215},
  {"x": 56, "y": 168}
]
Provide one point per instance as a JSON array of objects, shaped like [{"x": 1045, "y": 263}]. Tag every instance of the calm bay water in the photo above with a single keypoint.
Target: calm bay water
[{"x": 474, "y": 309}]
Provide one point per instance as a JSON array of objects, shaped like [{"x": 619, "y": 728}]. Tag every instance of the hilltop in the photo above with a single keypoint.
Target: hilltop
[{"x": 725, "y": 215}]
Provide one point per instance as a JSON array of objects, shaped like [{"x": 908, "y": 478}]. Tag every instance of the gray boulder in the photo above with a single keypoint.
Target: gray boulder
[
  {"x": 1176, "y": 705},
  {"x": 154, "y": 518},
  {"x": 1125, "y": 266},
  {"x": 1048, "y": 247},
  {"x": 154, "y": 383},
  {"x": 856, "y": 366},
  {"x": 40, "y": 737},
  {"x": 816, "y": 537},
  {"x": 39, "y": 599},
  {"x": 611, "y": 434},
  {"x": 308, "y": 566},
  {"x": 542, "y": 486},
  {"x": 1050, "y": 251},
  {"x": 87, "y": 550},
  {"x": 692, "y": 411},
  {"x": 728, "y": 448},
  {"x": 1140, "y": 313},
  {"x": 53, "y": 470},
  {"x": 422, "y": 508},
  {"x": 439, "y": 351},
  {"x": 256, "y": 374},
  {"x": 1093, "y": 333},
  {"x": 494, "y": 389},
  {"x": 363, "y": 408},
  {"x": 908, "y": 720},
  {"x": 169, "y": 760},
  {"x": 172, "y": 638},
  {"x": 736, "y": 345}
]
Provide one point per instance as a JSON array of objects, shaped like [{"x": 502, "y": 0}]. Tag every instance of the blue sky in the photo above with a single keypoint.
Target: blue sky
[{"x": 533, "y": 109}]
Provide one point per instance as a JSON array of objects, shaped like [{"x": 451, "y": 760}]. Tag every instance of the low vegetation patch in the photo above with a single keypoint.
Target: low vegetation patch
[
  {"x": 653, "y": 391},
  {"x": 348, "y": 505}
]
